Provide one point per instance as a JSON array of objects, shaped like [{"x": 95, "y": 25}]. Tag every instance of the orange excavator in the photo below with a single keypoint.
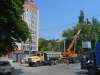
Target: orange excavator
[{"x": 69, "y": 53}]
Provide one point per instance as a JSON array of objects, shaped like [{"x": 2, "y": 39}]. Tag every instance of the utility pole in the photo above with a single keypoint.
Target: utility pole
[
  {"x": 64, "y": 44},
  {"x": 95, "y": 35}
]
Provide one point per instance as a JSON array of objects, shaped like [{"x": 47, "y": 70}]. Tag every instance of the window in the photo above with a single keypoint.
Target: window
[{"x": 4, "y": 63}]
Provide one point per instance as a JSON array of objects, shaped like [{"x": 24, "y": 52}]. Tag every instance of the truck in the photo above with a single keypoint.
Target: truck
[
  {"x": 47, "y": 58},
  {"x": 92, "y": 60}
]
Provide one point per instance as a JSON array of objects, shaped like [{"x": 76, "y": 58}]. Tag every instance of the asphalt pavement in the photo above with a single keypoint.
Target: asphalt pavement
[{"x": 59, "y": 69}]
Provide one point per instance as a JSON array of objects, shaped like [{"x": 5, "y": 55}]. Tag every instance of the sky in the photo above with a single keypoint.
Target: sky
[{"x": 59, "y": 15}]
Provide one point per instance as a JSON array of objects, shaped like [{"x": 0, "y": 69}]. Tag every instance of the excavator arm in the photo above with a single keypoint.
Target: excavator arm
[{"x": 69, "y": 51}]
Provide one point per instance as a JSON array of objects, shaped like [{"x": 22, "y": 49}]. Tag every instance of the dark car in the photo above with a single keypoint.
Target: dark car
[{"x": 6, "y": 68}]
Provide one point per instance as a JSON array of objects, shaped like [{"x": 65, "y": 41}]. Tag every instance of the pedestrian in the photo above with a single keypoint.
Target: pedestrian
[
  {"x": 68, "y": 60},
  {"x": 82, "y": 61}
]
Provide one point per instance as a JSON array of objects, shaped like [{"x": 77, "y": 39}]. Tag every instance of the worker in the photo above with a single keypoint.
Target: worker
[{"x": 82, "y": 61}]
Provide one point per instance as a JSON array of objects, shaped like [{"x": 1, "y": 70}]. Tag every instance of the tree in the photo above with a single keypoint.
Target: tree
[
  {"x": 81, "y": 17},
  {"x": 12, "y": 27},
  {"x": 90, "y": 31},
  {"x": 50, "y": 45},
  {"x": 43, "y": 45}
]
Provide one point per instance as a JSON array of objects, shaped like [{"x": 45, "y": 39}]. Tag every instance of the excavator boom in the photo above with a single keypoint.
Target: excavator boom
[{"x": 69, "y": 52}]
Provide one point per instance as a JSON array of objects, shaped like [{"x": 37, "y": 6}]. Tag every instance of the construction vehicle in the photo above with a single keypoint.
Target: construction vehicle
[
  {"x": 35, "y": 60},
  {"x": 91, "y": 60},
  {"x": 47, "y": 58},
  {"x": 69, "y": 53}
]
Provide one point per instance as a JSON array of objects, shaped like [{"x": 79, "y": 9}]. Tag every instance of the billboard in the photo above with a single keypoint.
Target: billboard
[{"x": 86, "y": 44}]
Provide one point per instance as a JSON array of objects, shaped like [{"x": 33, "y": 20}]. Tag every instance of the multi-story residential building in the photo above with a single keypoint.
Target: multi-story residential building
[{"x": 31, "y": 17}]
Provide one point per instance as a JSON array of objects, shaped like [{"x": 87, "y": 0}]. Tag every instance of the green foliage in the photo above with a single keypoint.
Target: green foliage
[
  {"x": 81, "y": 17},
  {"x": 90, "y": 31},
  {"x": 69, "y": 33},
  {"x": 12, "y": 27},
  {"x": 43, "y": 45},
  {"x": 50, "y": 45}
]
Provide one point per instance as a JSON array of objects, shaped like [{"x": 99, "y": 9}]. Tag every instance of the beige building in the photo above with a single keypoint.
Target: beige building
[{"x": 31, "y": 17}]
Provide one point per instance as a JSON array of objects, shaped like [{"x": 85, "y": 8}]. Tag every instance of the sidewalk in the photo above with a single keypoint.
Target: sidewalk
[
  {"x": 19, "y": 64},
  {"x": 23, "y": 64}
]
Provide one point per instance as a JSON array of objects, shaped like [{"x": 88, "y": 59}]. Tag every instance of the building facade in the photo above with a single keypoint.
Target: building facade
[{"x": 31, "y": 17}]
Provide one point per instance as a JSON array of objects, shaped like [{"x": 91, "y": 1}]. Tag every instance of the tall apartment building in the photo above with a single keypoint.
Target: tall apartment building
[{"x": 31, "y": 17}]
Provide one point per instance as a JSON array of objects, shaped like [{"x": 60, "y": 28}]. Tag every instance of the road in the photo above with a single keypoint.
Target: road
[{"x": 59, "y": 69}]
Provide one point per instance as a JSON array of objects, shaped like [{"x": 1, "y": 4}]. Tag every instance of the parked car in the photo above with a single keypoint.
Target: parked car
[{"x": 6, "y": 68}]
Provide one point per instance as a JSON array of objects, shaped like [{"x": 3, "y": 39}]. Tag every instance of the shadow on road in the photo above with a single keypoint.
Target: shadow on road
[
  {"x": 82, "y": 73},
  {"x": 17, "y": 72},
  {"x": 86, "y": 73}
]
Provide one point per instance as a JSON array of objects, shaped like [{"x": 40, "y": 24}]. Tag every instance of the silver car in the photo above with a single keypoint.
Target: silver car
[{"x": 6, "y": 68}]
